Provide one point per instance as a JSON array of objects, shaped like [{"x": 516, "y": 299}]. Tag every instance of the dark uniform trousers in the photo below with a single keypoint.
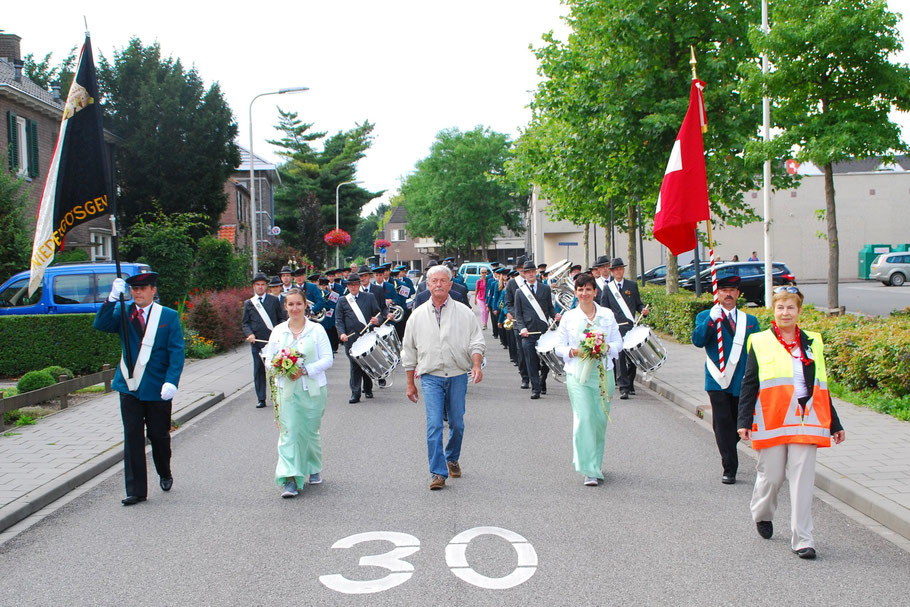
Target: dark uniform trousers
[
  {"x": 626, "y": 370},
  {"x": 724, "y": 410},
  {"x": 138, "y": 415},
  {"x": 357, "y": 375},
  {"x": 259, "y": 382},
  {"x": 535, "y": 370}
]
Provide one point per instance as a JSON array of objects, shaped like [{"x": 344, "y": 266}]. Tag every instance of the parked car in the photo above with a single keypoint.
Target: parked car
[
  {"x": 752, "y": 278},
  {"x": 892, "y": 269},
  {"x": 658, "y": 274},
  {"x": 67, "y": 288},
  {"x": 414, "y": 275},
  {"x": 470, "y": 271}
]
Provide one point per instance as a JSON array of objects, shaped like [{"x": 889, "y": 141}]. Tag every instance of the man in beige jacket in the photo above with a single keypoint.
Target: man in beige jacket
[{"x": 443, "y": 344}]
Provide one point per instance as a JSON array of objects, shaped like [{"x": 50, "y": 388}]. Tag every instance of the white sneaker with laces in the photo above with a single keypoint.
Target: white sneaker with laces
[{"x": 290, "y": 489}]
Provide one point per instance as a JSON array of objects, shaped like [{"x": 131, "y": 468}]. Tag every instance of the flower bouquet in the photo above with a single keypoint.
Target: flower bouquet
[
  {"x": 287, "y": 362},
  {"x": 592, "y": 350},
  {"x": 337, "y": 238}
]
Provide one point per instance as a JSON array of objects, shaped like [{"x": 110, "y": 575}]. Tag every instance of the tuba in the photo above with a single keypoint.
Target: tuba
[{"x": 562, "y": 284}]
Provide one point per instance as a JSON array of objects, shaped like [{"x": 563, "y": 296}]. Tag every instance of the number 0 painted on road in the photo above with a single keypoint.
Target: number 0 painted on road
[{"x": 456, "y": 559}]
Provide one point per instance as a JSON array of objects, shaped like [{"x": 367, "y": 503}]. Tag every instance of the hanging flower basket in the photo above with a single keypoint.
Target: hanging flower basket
[
  {"x": 337, "y": 238},
  {"x": 382, "y": 243}
]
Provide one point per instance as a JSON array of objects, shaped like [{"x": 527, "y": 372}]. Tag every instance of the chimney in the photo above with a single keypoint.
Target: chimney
[
  {"x": 9, "y": 47},
  {"x": 55, "y": 89},
  {"x": 18, "y": 65}
]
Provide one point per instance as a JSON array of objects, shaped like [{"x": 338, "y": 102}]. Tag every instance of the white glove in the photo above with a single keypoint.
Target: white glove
[
  {"x": 168, "y": 391},
  {"x": 717, "y": 311},
  {"x": 117, "y": 289}
]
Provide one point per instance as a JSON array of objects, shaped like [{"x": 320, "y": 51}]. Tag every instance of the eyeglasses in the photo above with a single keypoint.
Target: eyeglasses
[{"x": 788, "y": 289}]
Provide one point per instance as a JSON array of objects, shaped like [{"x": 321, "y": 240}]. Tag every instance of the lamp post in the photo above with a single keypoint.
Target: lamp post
[
  {"x": 253, "y": 209},
  {"x": 338, "y": 187}
]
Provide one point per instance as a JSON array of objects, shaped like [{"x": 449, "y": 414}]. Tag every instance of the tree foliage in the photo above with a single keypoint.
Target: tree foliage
[
  {"x": 459, "y": 195},
  {"x": 832, "y": 87},
  {"x": 15, "y": 244},
  {"x": 362, "y": 240},
  {"x": 44, "y": 74},
  {"x": 217, "y": 267},
  {"x": 305, "y": 201},
  {"x": 178, "y": 137}
]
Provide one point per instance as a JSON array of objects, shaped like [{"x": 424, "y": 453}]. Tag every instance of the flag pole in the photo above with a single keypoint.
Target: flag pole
[{"x": 720, "y": 337}]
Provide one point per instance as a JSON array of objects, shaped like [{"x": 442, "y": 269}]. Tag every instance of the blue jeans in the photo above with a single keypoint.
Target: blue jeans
[{"x": 444, "y": 394}]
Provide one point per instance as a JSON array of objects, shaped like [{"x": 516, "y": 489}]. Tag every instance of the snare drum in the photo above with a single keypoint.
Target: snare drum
[
  {"x": 643, "y": 347},
  {"x": 546, "y": 350},
  {"x": 373, "y": 356},
  {"x": 389, "y": 337}
]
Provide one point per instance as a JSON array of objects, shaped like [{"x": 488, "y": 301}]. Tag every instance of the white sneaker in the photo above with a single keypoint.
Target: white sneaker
[
  {"x": 590, "y": 481},
  {"x": 290, "y": 489},
  {"x": 315, "y": 479}
]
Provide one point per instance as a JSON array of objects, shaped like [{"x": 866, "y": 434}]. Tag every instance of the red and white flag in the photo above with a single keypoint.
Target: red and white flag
[{"x": 683, "y": 199}]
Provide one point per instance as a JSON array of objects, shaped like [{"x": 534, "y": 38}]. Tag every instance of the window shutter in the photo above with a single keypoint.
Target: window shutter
[
  {"x": 13, "y": 148},
  {"x": 31, "y": 129}
]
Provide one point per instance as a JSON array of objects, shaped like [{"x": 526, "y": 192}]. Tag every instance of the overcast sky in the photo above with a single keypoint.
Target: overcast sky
[{"x": 412, "y": 67}]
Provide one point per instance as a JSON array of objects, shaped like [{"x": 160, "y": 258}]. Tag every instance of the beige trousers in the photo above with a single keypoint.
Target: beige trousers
[{"x": 797, "y": 464}]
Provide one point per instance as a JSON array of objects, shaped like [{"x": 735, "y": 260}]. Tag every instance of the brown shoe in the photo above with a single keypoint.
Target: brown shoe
[
  {"x": 437, "y": 482},
  {"x": 454, "y": 469}
]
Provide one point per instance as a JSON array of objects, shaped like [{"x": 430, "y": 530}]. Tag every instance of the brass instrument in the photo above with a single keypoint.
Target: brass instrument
[
  {"x": 562, "y": 284},
  {"x": 318, "y": 316},
  {"x": 398, "y": 311},
  {"x": 508, "y": 324}
]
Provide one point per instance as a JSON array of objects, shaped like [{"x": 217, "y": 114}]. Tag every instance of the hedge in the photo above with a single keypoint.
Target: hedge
[
  {"x": 862, "y": 353},
  {"x": 37, "y": 341}
]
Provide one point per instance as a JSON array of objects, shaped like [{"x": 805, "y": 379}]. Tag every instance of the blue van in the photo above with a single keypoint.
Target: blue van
[
  {"x": 470, "y": 271},
  {"x": 68, "y": 288}
]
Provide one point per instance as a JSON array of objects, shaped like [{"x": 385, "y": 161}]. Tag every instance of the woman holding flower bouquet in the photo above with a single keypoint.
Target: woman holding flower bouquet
[
  {"x": 298, "y": 355},
  {"x": 589, "y": 343}
]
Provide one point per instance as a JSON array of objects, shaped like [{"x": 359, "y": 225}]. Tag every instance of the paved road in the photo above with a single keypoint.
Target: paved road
[
  {"x": 867, "y": 297},
  {"x": 662, "y": 530}
]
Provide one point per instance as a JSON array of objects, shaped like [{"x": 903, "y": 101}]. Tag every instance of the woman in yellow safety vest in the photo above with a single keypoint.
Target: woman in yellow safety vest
[{"x": 786, "y": 411}]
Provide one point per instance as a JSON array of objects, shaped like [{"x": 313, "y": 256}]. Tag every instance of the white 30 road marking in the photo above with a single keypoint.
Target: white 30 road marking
[{"x": 456, "y": 559}]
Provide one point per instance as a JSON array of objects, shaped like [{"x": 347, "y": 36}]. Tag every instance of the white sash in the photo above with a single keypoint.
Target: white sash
[
  {"x": 355, "y": 308},
  {"x": 623, "y": 307},
  {"x": 145, "y": 350},
  {"x": 601, "y": 281},
  {"x": 739, "y": 338},
  {"x": 262, "y": 313},
  {"x": 526, "y": 291}
]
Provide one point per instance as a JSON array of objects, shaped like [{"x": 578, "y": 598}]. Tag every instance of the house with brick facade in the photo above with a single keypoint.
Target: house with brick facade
[{"x": 234, "y": 223}]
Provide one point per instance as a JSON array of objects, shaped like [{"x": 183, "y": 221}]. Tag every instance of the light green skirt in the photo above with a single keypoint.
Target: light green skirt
[
  {"x": 589, "y": 421},
  {"x": 299, "y": 441}
]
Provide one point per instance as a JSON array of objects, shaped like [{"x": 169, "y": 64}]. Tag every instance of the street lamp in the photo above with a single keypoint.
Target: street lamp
[
  {"x": 338, "y": 187},
  {"x": 254, "y": 210}
]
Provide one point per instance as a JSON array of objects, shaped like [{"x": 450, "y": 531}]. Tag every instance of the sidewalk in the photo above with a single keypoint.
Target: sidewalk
[
  {"x": 42, "y": 462},
  {"x": 870, "y": 471}
]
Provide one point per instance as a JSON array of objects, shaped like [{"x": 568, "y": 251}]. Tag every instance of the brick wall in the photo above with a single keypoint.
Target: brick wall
[{"x": 47, "y": 139}]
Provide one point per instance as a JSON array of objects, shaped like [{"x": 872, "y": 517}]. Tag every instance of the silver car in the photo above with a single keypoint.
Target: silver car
[{"x": 891, "y": 268}]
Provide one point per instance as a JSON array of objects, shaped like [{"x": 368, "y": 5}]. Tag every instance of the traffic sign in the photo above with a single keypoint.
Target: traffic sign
[
  {"x": 382, "y": 251},
  {"x": 275, "y": 230},
  {"x": 567, "y": 244}
]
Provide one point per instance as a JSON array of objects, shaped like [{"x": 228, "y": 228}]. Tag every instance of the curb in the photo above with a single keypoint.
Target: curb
[
  {"x": 37, "y": 499},
  {"x": 875, "y": 506}
]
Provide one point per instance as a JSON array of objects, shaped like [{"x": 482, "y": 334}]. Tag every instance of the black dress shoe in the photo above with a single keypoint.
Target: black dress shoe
[
  {"x": 765, "y": 529},
  {"x": 368, "y": 394},
  {"x": 381, "y": 383},
  {"x": 543, "y": 387},
  {"x": 623, "y": 396},
  {"x": 728, "y": 479},
  {"x": 354, "y": 399},
  {"x": 261, "y": 405},
  {"x": 805, "y": 553},
  {"x": 166, "y": 483},
  {"x": 535, "y": 395},
  {"x": 525, "y": 385},
  {"x": 632, "y": 391},
  {"x": 131, "y": 500}
]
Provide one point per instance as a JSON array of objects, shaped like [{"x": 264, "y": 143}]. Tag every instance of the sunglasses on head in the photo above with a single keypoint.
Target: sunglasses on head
[{"x": 788, "y": 289}]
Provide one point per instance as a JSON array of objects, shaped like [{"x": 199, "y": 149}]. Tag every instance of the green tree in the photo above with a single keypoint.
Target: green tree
[
  {"x": 178, "y": 137},
  {"x": 362, "y": 240},
  {"x": 44, "y": 74},
  {"x": 459, "y": 195},
  {"x": 15, "y": 243},
  {"x": 305, "y": 201},
  {"x": 832, "y": 87},
  {"x": 217, "y": 266}
]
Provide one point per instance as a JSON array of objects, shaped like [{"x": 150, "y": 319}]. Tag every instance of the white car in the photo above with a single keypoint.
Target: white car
[{"x": 892, "y": 269}]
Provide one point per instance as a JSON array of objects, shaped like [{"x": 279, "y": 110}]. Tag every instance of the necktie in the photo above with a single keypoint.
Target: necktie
[
  {"x": 262, "y": 300},
  {"x": 139, "y": 313},
  {"x": 732, "y": 320}
]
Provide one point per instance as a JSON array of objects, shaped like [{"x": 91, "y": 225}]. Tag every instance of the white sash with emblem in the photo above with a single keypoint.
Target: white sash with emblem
[
  {"x": 739, "y": 339},
  {"x": 262, "y": 313},
  {"x": 623, "y": 306},
  {"x": 356, "y": 309},
  {"x": 526, "y": 291},
  {"x": 145, "y": 350}
]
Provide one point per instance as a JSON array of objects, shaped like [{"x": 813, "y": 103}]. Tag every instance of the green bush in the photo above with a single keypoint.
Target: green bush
[
  {"x": 56, "y": 372},
  {"x": 33, "y": 380},
  {"x": 217, "y": 267},
  {"x": 674, "y": 314},
  {"x": 216, "y": 316},
  {"x": 70, "y": 256},
  {"x": 36, "y": 341}
]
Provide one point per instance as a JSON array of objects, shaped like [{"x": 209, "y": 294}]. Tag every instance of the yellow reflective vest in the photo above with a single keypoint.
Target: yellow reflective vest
[{"x": 778, "y": 417}]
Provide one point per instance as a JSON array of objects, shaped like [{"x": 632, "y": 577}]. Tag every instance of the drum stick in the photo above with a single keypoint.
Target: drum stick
[{"x": 368, "y": 326}]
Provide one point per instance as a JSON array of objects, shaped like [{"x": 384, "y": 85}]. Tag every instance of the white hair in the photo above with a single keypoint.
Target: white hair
[{"x": 437, "y": 269}]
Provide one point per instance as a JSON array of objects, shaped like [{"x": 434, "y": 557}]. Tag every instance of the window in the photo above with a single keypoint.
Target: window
[
  {"x": 103, "y": 283},
  {"x": 74, "y": 289},
  {"x": 22, "y": 144},
  {"x": 16, "y": 295},
  {"x": 241, "y": 218},
  {"x": 750, "y": 270},
  {"x": 102, "y": 249},
  {"x": 397, "y": 235}
]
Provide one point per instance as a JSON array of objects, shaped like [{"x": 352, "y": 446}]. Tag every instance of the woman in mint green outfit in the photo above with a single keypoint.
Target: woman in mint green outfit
[
  {"x": 301, "y": 396},
  {"x": 583, "y": 380}
]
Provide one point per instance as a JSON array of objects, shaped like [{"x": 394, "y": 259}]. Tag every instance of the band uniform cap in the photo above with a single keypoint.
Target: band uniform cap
[
  {"x": 529, "y": 265},
  {"x": 617, "y": 263},
  {"x": 315, "y": 276},
  {"x": 452, "y": 259},
  {"x": 432, "y": 263},
  {"x": 323, "y": 281},
  {"x": 260, "y": 276},
  {"x": 274, "y": 281},
  {"x": 385, "y": 266},
  {"x": 729, "y": 282},
  {"x": 286, "y": 270},
  {"x": 603, "y": 260},
  {"x": 514, "y": 273},
  {"x": 353, "y": 277},
  {"x": 144, "y": 279},
  {"x": 576, "y": 266},
  {"x": 400, "y": 268},
  {"x": 364, "y": 269},
  {"x": 299, "y": 272},
  {"x": 541, "y": 265}
]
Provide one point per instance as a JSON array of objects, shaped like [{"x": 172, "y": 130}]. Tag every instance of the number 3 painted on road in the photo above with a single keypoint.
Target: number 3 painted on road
[{"x": 456, "y": 559}]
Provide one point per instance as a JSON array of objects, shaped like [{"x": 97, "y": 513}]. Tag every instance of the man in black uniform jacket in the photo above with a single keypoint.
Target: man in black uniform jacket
[
  {"x": 531, "y": 326},
  {"x": 349, "y": 327},
  {"x": 260, "y": 315},
  {"x": 624, "y": 311}
]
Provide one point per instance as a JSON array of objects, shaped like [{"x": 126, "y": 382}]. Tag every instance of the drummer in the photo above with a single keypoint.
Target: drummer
[
  {"x": 533, "y": 310},
  {"x": 622, "y": 297},
  {"x": 352, "y": 315}
]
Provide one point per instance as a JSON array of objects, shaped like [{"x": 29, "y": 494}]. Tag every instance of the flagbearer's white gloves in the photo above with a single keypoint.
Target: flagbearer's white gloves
[
  {"x": 168, "y": 391},
  {"x": 717, "y": 312},
  {"x": 117, "y": 289}
]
